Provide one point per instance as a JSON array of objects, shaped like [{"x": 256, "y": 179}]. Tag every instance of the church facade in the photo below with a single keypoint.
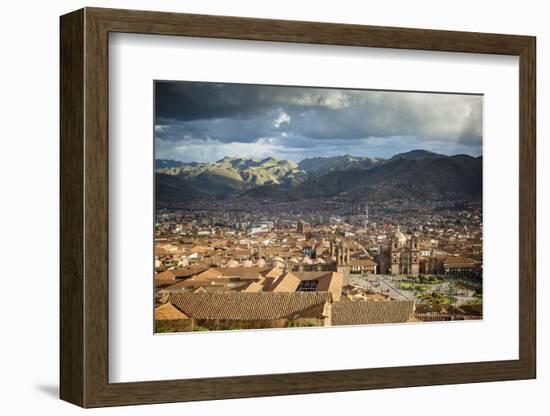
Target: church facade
[
  {"x": 340, "y": 256},
  {"x": 404, "y": 254}
]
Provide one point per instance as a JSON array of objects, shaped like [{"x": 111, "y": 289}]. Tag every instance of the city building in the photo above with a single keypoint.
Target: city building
[
  {"x": 404, "y": 254},
  {"x": 362, "y": 267},
  {"x": 242, "y": 310}
]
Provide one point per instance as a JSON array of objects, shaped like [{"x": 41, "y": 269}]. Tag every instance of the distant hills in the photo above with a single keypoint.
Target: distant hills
[
  {"x": 231, "y": 175},
  {"x": 321, "y": 165},
  {"x": 172, "y": 188},
  {"x": 415, "y": 174},
  {"x": 418, "y": 155},
  {"x": 162, "y": 163}
]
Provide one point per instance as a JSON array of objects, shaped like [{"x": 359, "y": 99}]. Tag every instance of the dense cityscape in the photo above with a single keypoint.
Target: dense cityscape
[
  {"x": 281, "y": 207},
  {"x": 218, "y": 262}
]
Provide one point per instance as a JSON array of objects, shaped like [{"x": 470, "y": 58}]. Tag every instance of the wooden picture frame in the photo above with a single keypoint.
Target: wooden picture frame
[{"x": 84, "y": 207}]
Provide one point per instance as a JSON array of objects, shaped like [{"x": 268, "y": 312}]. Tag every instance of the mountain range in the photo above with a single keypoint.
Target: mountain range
[{"x": 415, "y": 174}]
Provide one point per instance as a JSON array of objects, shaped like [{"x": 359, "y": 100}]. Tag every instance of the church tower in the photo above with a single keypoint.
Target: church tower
[
  {"x": 415, "y": 256},
  {"x": 404, "y": 254}
]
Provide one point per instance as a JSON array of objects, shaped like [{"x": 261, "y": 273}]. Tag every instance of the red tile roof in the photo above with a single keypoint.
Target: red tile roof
[
  {"x": 371, "y": 312},
  {"x": 248, "y": 306},
  {"x": 169, "y": 312}
]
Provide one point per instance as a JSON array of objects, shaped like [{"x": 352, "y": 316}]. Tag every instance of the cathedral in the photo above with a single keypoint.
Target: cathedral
[
  {"x": 339, "y": 252},
  {"x": 340, "y": 255},
  {"x": 404, "y": 254}
]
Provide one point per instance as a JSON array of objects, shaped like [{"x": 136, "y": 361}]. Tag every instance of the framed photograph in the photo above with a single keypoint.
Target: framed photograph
[{"x": 255, "y": 207}]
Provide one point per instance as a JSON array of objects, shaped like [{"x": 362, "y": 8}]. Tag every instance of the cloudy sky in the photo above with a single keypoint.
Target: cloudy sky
[{"x": 204, "y": 122}]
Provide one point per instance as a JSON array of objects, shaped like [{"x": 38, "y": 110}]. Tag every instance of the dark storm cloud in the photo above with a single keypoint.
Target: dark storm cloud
[
  {"x": 201, "y": 120},
  {"x": 188, "y": 101}
]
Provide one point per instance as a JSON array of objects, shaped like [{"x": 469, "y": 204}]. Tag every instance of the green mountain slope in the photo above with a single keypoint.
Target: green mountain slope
[
  {"x": 232, "y": 175},
  {"x": 416, "y": 174}
]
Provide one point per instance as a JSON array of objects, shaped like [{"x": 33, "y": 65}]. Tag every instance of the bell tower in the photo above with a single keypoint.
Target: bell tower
[{"x": 415, "y": 256}]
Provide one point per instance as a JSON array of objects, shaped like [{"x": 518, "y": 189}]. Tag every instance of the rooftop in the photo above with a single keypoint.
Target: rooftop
[
  {"x": 248, "y": 305},
  {"x": 372, "y": 312}
]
